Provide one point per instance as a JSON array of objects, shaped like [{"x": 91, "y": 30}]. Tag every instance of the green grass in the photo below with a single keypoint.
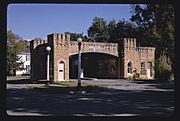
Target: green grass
[
  {"x": 72, "y": 83},
  {"x": 19, "y": 76},
  {"x": 69, "y": 87}
]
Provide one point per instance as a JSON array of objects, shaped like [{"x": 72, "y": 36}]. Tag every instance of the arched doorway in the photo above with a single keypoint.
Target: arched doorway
[
  {"x": 61, "y": 71},
  {"x": 129, "y": 67},
  {"x": 94, "y": 65}
]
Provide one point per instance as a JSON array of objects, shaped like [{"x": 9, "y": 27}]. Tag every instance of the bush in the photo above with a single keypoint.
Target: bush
[
  {"x": 163, "y": 73},
  {"x": 11, "y": 73},
  {"x": 134, "y": 75}
]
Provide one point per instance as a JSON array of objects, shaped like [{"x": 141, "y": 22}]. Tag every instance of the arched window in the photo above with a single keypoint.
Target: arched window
[{"x": 130, "y": 67}]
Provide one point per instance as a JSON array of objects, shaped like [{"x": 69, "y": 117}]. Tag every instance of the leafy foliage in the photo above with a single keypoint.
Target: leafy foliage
[
  {"x": 134, "y": 76},
  {"x": 101, "y": 31},
  {"x": 157, "y": 22},
  {"x": 74, "y": 37},
  {"x": 124, "y": 29},
  {"x": 98, "y": 31},
  {"x": 163, "y": 68},
  {"x": 15, "y": 45}
]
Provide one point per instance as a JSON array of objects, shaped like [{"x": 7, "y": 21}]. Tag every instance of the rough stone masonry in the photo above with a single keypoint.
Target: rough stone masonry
[{"x": 99, "y": 59}]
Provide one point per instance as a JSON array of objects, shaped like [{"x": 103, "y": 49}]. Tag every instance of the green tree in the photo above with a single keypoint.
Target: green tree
[
  {"x": 15, "y": 45},
  {"x": 124, "y": 29},
  {"x": 111, "y": 30},
  {"x": 157, "y": 22},
  {"x": 101, "y": 31},
  {"x": 74, "y": 37},
  {"x": 98, "y": 31}
]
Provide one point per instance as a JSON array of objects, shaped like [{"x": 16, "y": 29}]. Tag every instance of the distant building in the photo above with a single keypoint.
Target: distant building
[{"x": 25, "y": 58}]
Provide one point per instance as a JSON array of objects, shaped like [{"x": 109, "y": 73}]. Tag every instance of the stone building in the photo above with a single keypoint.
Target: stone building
[{"x": 99, "y": 60}]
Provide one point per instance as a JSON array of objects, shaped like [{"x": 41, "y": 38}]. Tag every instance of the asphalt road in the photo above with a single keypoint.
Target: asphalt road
[{"x": 118, "y": 98}]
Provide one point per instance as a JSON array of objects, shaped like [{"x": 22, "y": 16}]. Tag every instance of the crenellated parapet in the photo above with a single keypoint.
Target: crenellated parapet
[
  {"x": 35, "y": 43},
  {"x": 58, "y": 40},
  {"x": 59, "y": 37},
  {"x": 145, "y": 49},
  {"x": 98, "y": 47},
  {"x": 130, "y": 43}
]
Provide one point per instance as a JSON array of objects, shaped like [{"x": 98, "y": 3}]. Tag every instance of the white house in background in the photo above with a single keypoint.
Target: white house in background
[{"x": 25, "y": 58}]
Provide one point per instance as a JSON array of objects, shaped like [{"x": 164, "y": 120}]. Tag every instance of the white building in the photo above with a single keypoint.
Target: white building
[{"x": 25, "y": 58}]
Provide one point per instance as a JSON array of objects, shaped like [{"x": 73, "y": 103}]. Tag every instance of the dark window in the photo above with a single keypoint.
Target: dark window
[
  {"x": 130, "y": 67},
  {"x": 143, "y": 71}
]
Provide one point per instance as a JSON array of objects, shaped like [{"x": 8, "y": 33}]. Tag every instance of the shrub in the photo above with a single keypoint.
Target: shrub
[
  {"x": 134, "y": 75},
  {"x": 11, "y": 73},
  {"x": 163, "y": 72}
]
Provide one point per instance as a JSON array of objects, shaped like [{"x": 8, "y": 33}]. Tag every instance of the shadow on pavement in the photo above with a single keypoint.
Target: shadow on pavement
[
  {"x": 96, "y": 101},
  {"x": 20, "y": 81},
  {"x": 157, "y": 84}
]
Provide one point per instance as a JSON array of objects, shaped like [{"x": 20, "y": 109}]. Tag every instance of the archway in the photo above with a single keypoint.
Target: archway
[
  {"x": 130, "y": 67},
  {"x": 94, "y": 65},
  {"x": 61, "y": 71}
]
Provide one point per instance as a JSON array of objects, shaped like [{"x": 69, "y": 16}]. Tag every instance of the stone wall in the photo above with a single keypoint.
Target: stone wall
[
  {"x": 97, "y": 47},
  {"x": 38, "y": 59},
  {"x": 62, "y": 48},
  {"x": 136, "y": 55}
]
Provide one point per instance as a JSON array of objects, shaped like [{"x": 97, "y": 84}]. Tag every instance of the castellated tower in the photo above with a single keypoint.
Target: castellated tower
[
  {"x": 128, "y": 53},
  {"x": 59, "y": 44},
  {"x": 138, "y": 59},
  {"x": 59, "y": 53},
  {"x": 38, "y": 52}
]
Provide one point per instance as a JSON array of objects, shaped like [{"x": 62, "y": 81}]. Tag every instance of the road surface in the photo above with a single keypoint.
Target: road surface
[{"x": 118, "y": 98}]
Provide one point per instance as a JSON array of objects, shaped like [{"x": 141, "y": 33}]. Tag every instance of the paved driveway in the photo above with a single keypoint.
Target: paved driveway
[
  {"x": 119, "y": 98},
  {"x": 123, "y": 84}
]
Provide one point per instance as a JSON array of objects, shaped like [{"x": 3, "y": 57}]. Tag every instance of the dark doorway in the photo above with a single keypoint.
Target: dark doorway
[{"x": 94, "y": 65}]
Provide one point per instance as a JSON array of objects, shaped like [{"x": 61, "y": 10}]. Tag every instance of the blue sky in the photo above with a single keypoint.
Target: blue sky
[{"x": 39, "y": 20}]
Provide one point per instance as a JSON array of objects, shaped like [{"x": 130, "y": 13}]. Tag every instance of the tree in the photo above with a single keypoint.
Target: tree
[
  {"x": 111, "y": 30},
  {"x": 98, "y": 31},
  {"x": 74, "y": 37},
  {"x": 157, "y": 22},
  {"x": 124, "y": 29},
  {"x": 15, "y": 45},
  {"x": 101, "y": 31}
]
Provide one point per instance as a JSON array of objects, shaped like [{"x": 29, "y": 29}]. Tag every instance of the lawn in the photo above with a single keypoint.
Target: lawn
[
  {"x": 72, "y": 83},
  {"x": 66, "y": 87}
]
